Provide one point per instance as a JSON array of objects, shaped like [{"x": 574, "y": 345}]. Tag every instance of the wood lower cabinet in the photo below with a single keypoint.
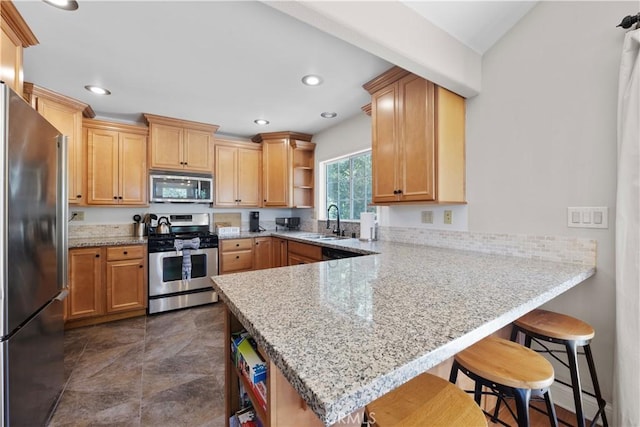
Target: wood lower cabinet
[
  {"x": 66, "y": 115},
  {"x": 238, "y": 168},
  {"x": 262, "y": 253},
  {"x": 280, "y": 250},
  {"x": 303, "y": 253},
  {"x": 126, "y": 279},
  {"x": 236, "y": 255},
  {"x": 86, "y": 287},
  {"x": 285, "y": 407},
  {"x": 15, "y": 35},
  {"x": 417, "y": 140},
  {"x": 106, "y": 283},
  {"x": 180, "y": 145},
  {"x": 116, "y": 163}
]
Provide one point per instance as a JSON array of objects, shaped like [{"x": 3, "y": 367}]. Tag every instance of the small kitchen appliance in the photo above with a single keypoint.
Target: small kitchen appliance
[
  {"x": 169, "y": 289},
  {"x": 290, "y": 223},
  {"x": 254, "y": 221},
  {"x": 175, "y": 188}
]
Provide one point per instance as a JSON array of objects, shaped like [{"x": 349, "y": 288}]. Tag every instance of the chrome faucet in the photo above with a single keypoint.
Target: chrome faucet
[{"x": 337, "y": 230}]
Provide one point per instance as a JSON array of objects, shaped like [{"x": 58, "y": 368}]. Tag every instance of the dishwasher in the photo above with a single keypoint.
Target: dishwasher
[{"x": 332, "y": 253}]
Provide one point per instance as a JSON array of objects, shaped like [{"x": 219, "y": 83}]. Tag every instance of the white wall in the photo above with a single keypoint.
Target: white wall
[
  {"x": 104, "y": 215},
  {"x": 349, "y": 136},
  {"x": 542, "y": 137}
]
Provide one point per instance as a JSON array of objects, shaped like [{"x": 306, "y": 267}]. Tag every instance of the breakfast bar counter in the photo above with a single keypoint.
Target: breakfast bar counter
[{"x": 345, "y": 332}]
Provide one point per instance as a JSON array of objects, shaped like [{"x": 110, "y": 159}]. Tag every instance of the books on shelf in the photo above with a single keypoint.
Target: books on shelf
[{"x": 245, "y": 417}]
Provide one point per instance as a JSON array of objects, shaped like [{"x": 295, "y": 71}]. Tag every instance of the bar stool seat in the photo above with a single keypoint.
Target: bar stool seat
[
  {"x": 426, "y": 400},
  {"x": 548, "y": 326},
  {"x": 508, "y": 369}
]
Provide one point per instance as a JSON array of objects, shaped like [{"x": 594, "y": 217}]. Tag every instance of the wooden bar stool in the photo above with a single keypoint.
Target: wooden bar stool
[
  {"x": 426, "y": 400},
  {"x": 509, "y": 370},
  {"x": 542, "y": 325}
]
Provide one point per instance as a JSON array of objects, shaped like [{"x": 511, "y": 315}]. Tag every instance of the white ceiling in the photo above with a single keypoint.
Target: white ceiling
[
  {"x": 477, "y": 24},
  {"x": 225, "y": 63}
]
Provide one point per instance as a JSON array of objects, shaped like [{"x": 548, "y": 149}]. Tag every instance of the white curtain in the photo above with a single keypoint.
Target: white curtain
[{"x": 627, "y": 369}]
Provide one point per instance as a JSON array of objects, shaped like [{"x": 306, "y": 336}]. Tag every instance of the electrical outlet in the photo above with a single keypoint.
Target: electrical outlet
[
  {"x": 427, "y": 217},
  {"x": 588, "y": 217},
  {"x": 77, "y": 215},
  {"x": 448, "y": 217}
]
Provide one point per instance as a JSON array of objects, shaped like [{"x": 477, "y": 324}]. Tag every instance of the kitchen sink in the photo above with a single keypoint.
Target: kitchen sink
[{"x": 322, "y": 237}]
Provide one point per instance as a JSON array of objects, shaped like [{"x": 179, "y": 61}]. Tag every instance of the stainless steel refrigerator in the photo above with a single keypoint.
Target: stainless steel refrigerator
[{"x": 32, "y": 262}]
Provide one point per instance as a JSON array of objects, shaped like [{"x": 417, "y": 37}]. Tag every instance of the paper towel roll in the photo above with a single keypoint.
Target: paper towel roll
[{"x": 367, "y": 225}]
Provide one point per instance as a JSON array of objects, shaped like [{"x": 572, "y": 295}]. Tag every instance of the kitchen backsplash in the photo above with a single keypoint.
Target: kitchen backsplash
[{"x": 549, "y": 248}]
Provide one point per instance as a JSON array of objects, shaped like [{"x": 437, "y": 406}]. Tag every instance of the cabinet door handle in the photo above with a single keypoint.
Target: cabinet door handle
[
  {"x": 78, "y": 196},
  {"x": 125, "y": 252},
  {"x": 399, "y": 191},
  {"x": 237, "y": 245},
  {"x": 115, "y": 197},
  {"x": 237, "y": 256},
  {"x": 120, "y": 197},
  {"x": 97, "y": 255},
  {"x": 140, "y": 266}
]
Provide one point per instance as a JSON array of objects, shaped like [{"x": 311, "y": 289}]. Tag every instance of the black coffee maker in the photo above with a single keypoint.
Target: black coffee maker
[{"x": 254, "y": 221}]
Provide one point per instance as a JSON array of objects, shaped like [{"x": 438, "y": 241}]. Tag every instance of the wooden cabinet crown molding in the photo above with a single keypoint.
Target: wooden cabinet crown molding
[
  {"x": 366, "y": 109},
  {"x": 282, "y": 135},
  {"x": 240, "y": 144},
  {"x": 118, "y": 127},
  {"x": 12, "y": 18},
  {"x": 31, "y": 90},
  {"x": 170, "y": 121},
  {"x": 385, "y": 79}
]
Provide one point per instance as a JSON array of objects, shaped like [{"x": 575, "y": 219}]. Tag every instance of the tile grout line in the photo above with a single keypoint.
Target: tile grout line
[
  {"x": 66, "y": 383},
  {"x": 144, "y": 349}
]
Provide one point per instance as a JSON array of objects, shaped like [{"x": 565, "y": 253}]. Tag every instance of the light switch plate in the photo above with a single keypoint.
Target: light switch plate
[{"x": 588, "y": 217}]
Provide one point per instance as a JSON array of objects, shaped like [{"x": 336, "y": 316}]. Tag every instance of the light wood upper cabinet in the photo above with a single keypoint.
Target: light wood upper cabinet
[
  {"x": 116, "y": 163},
  {"x": 237, "y": 174},
  {"x": 180, "y": 144},
  {"x": 66, "y": 115},
  {"x": 15, "y": 35},
  {"x": 417, "y": 140},
  {"x": 287, "y": 169}
]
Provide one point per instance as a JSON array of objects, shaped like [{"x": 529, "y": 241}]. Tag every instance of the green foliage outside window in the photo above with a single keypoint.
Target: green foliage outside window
[{"x": 349, "y": 185}]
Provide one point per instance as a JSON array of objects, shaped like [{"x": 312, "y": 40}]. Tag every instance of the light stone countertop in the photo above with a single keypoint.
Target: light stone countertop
[
  {"x": 345, "y": 332},
  {"x": 86, "y": 242}
]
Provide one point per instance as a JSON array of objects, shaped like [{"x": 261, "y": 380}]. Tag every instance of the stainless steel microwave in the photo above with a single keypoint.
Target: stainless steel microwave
[{"x": 174, "y": 188}]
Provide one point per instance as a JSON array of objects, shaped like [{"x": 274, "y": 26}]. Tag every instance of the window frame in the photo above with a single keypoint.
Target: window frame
[{"x": 322, "y": 181}]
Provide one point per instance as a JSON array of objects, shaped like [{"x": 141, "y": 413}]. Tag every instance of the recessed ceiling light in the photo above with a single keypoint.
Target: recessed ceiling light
[
  {"x": 63, "y": 4},
  {"x": 261, "y": 122},
  {"x": 312, "y": 80},
  {"x": 328, "y": 115},
  {"x": 97, "y": 90}
]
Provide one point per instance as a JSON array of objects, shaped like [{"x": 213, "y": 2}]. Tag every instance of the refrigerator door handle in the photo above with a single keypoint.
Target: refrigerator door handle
[
  {"x": 63, "y": 213},
  {"x": 62, "y": 295}
]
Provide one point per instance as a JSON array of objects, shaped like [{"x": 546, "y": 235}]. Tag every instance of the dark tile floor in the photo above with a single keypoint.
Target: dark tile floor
[{"x": 162, "y": 370}]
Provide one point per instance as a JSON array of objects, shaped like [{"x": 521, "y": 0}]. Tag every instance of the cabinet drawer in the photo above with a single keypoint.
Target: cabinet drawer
[
  {"x": 116, "y": 253},
  {"x": 307, "y": 251},
  {"x": 236, "y": 245},
  {"x": 236, "y": 261}
]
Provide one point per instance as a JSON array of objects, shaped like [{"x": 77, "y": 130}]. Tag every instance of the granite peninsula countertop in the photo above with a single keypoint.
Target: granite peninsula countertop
[
  {"x": 86, "y": 242},
  {"x": 345, "y": 332}
]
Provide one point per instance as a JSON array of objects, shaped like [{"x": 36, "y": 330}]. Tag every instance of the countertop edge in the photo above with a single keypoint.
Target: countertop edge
[{"x": 330, "y": 413}]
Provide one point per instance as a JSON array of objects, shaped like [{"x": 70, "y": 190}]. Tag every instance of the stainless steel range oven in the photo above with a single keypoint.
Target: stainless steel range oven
[{"x": 169, "y": 287}]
